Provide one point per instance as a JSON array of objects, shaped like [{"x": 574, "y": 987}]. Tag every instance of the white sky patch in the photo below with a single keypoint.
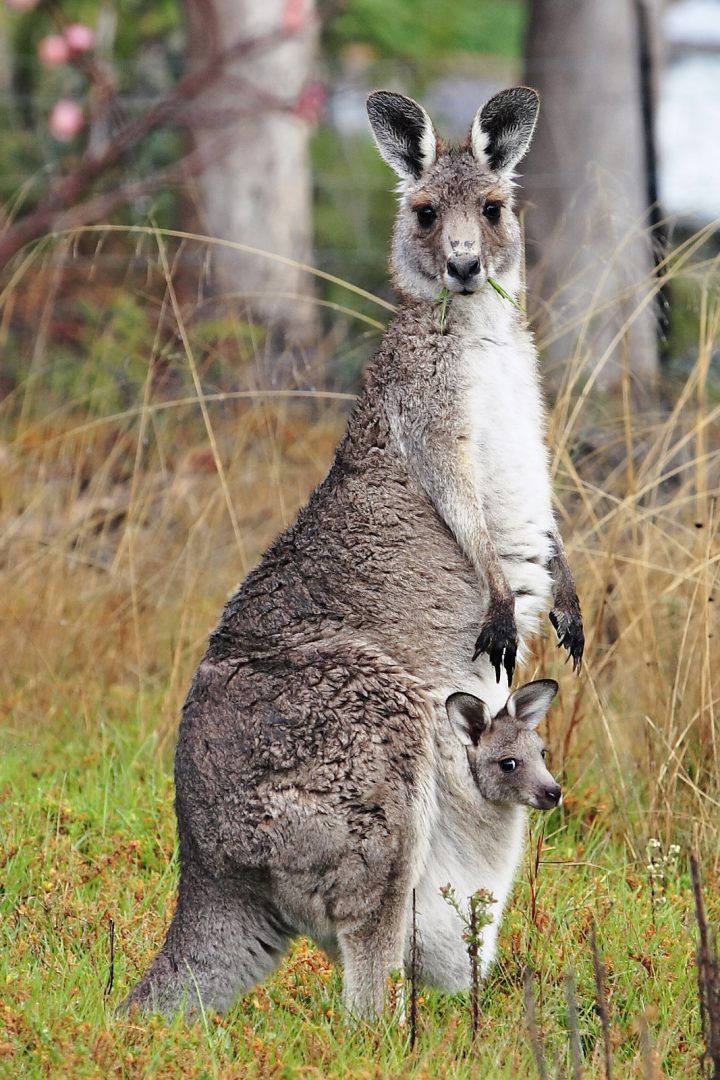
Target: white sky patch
[{"x": 689, "y": 135}]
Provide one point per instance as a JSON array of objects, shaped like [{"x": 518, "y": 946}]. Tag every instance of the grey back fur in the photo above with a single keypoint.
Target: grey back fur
[{"x": 416, "y": 570}]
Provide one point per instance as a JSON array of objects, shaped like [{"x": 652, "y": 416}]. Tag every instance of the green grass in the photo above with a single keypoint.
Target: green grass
[{"x": 87, "y": 832}]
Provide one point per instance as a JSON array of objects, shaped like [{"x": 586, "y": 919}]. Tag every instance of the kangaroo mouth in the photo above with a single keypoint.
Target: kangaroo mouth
[{"x": 464, "y": 288}]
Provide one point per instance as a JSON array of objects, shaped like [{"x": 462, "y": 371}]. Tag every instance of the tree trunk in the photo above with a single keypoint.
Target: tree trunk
[
  {"x": 591, "y": 266},
  {"x": 255, "y": 188}
]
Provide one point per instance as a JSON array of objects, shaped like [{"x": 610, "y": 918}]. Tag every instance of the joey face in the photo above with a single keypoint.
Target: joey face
[
  {"x": 455, "y": 226},
  {"x": 505, "y": 754}
]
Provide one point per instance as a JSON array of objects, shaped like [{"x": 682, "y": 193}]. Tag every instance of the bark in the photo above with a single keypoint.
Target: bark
[
  {"x": 255, "y": 187},
  {"x": 590, "y": 254}
]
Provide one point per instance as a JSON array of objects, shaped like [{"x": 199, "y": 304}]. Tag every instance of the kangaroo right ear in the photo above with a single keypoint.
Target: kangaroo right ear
[
  {"x": 403, "y": 132},
  {"x": 469, "y": 716},
  {"x": 503, "y": 127},
  {"x": 529, "y": 703}
]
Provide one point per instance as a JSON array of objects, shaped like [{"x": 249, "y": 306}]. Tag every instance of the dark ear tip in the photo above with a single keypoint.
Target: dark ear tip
[
  {"x": 383, "y": 98},
  {"x": 541, "y": 684},
  {"x": 551, "y": 684},
  {"x": 454, "y": 699},
  {"x": 460, "y": 698}
]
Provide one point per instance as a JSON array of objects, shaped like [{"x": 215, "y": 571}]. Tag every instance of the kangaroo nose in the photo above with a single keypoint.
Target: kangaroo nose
[
  {"x": 554, "y": 794},
  {"x": 463, "y": 267}
]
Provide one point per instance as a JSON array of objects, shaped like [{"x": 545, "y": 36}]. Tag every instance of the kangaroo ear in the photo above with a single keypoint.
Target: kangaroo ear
[
  {"x": 403, "y": 132},
  {"x": 529, "y": 703},
  {"x": 469, "y": 716},
  {"x": 503, "y": 127}
]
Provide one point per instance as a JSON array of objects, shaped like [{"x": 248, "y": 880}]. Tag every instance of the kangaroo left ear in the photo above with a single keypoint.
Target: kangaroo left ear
[
  {"x": 503, "y": 127},
  {"x": 529, "y": 703},
  {"x": 469, "y": 716},
  {"x": 403, "y": 132}
]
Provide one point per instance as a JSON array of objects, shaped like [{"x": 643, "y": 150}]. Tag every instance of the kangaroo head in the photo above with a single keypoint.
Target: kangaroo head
[
  {"x": 455, "y": 225},
  {"x": 505, "y": 753}
]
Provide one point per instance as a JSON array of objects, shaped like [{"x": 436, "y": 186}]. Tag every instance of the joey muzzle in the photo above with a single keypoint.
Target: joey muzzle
[{"x": 549, "y": 797}]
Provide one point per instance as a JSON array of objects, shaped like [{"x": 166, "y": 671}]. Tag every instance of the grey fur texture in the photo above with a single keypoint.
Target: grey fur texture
[{"x": 318, "y": 776}]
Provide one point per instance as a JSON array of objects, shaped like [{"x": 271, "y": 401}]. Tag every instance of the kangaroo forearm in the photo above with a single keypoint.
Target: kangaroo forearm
[
  {"x": 450, "y": 485},
  {"x": 563, "y": 582}
]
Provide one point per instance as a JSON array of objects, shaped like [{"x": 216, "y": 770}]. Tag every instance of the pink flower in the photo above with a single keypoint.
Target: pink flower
[
  {"x": 54, "y": 50},
  {"x": 80, "y": 38},
  {"x": 295, "y": 16},
  {"x": 22, "y": 5},
  {"x": 309, "y": 106},
  {"x": 67, "y": 120}
]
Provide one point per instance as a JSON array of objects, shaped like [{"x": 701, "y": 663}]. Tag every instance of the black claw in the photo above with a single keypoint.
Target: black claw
[
  {"x": 510, "y": 655},
  {"x": 499, "y": 641},
  {"x": 569, "y": 629}
]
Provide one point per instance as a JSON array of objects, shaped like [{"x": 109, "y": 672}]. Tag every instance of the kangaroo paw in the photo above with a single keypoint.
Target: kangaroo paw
[
  {"x": 498, "y": 638},
  {"x": 569, "y": 628}
]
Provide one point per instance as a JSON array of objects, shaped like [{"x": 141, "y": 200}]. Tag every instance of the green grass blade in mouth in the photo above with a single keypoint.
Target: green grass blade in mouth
[
  {"x": 444, "y": 306},
  {"x": 504, "y": 293}
]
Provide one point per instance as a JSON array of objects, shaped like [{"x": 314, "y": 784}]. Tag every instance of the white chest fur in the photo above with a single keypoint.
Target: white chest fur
[
  {"x": 506, "y": 421},
  {"x": 467, "y": 856}
]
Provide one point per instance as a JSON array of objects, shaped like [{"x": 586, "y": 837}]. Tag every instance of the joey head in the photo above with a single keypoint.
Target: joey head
[{"x": 505, "y": 753}]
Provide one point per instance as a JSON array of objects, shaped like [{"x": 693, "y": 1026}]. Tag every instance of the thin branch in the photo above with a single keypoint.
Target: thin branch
[
  {"x": 69, "y": 189},
  {"x": 413, "y": 975},
  {"x": 576, "y": 1054},
  {"x": 111, "y": 972},
  {"x": 708, "y": 978},
  {"x": 601, "y": 1004},
  {"x": 532, "y": 1025}
]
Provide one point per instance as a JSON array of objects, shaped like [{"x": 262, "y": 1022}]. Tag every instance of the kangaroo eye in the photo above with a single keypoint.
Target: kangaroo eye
[
  {"x": 508, "y": 764},
  {"x": 426, "y": 216},
  {"x": 491, "y": 210},
  {"x": 544, "y": 754}
]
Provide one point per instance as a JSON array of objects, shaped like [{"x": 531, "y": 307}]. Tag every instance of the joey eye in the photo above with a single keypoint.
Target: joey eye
[
  {"x": 491, "y": 210},
  {"x": 426, "y": 216},
  {"x": 508, "y": 764},
  {"x": 544, "y": 753}
]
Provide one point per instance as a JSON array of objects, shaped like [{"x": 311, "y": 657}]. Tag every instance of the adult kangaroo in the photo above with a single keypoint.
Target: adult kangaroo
[{"x": 416, "y": 571}]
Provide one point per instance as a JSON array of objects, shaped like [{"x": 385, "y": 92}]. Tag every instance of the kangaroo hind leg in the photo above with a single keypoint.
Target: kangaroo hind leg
[{"x": 222, "y": 941}]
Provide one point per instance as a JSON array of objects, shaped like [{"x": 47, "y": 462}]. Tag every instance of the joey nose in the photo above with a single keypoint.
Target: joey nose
[
  {"x": 463, "y": 267},
  {"x": 554, "y": 794}
]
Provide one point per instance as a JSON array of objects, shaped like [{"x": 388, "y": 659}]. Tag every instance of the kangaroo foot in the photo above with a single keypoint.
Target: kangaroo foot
[
  {"x": 499, "y": 639},
  {"x": 569, "y": 628}
]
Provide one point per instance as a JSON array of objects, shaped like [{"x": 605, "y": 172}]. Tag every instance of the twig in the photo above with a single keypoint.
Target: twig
[
  {"x": 68, "y": 189},
  {"x": 473, "y": 949},
  {"x": 532, "y": 1026},
  {"x": 708, "y": 979},
  {"x": 576, "y": 1054},
  {"x": 474, "y": 922},
  {"x": 413, "y": 975},
  {"x": 111, "y": 973},
  {"x": 601, "y": 1003}
]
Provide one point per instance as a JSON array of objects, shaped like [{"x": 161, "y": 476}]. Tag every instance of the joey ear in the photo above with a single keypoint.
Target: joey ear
[
  {"x": 469, "y": 716},
  {"x": 503, "y": 127},
  {"x": 403, "y": 132},
  {"x": 529, "y": 703}
]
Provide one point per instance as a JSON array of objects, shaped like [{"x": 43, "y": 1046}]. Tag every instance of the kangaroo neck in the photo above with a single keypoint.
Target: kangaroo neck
[{"x": 462, "y": 318}]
